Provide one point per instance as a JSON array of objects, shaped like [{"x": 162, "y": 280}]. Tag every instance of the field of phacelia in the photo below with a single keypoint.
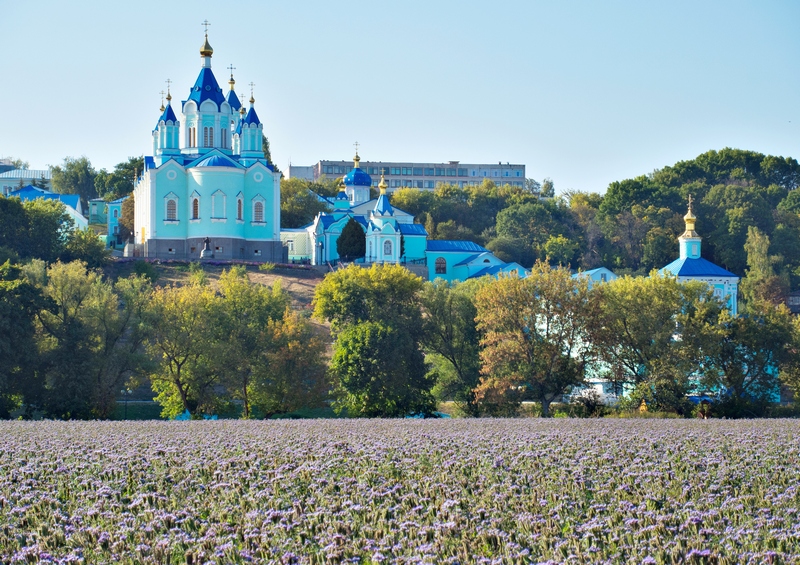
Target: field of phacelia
[{"x": 402, "y": 491}]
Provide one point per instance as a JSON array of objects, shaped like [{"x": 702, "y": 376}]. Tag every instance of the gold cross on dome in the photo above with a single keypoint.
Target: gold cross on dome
[
  {"x": 162, "y": 93},
  {"x": 382, "y": 171},
  {"x": 205, "y": 24},
  {"x": 356, "y": 146},
  {"x": 231, "y": 68},
  {"x": 690, "y": 201}
]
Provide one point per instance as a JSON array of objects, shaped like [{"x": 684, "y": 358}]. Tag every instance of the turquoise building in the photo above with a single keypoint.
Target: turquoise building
[
  {"x": 690, "y": 266},
  {"x": 207, "y": 184},
  {"x": 391, "y": 236},
  {"x": 114, "y": 213}
]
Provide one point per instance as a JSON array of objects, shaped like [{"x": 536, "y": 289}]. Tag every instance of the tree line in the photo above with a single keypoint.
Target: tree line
[
  {"x": 70, "y": 340},
  {"x": 631, "y": 229}
]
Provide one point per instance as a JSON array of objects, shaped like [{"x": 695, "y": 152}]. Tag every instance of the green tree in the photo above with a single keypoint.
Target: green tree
[
  {"x": 534, "y": 337},
  {"x": 352, "y": 243},
  {"x": 243, "y": 316},
  {"x": 293, "y": 374},
  {"x": 20, "y": 302},
  {"x": 761, "y": 283},
  {"x": 84, "y": 245},
  {"x": 267, "y": 152},
  {"x": 127, "y": 219},
  {"x": 74, "y": 176},
  {"x": 49, "y": 227},
  {"x": 14, "y": 224},
  {"x": 299, "y": 203},
  {"x": 375, "y": 317},
  {"x": 118, "y": 182},
  {"x": 451, "y": 333},
  {"x": 380, "y": 372},
  {"x": 181, "y": 330}
]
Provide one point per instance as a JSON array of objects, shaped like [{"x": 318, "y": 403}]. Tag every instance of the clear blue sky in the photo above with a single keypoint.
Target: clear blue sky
[{"x": 584, "y": 92}]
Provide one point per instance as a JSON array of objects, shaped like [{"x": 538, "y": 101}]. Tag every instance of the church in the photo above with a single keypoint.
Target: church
[
  {"x": 207, "y": 191},
  {"x": 391, "y": 236}
]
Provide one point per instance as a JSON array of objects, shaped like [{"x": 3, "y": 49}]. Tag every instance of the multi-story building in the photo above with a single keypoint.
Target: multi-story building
[{"x": 418, "y": 175}]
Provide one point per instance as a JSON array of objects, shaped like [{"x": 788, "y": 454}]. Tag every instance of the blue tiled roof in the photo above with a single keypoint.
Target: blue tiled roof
[
  {"x": 216, "y": 161},
  {"x": 252, "y": 118},
  {"x": 382, "y": 206},
  {"x": 233, "y": 100},
  {"x": 357, "y": 177},
  {"x": 206, "y": 88},
  {"x": 168, "y": 115},
  {"x": 412, "y": 229},
  {"x": 31, "y": 192},
  {"x": 149, "y": 163},
  {"x": 454, "y": 245},
  {"x": 695, "y": 268},
  {"x": 361, "y": 220},
  {"x": 342, "y": 195}
]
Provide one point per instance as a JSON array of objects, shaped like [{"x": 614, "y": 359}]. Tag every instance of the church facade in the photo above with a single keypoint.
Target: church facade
[{"x": 207, "y": 190}]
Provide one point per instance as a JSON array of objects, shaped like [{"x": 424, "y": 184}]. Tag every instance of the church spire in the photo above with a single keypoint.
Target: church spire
[
  {"x": 690, "y": 240},
  {"x": 206, "y": 51}
]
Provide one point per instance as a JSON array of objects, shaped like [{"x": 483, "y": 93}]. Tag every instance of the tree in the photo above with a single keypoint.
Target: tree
[
  {"x": 119, "y": 182},
  {"x": 127, "y": 218},
  {"x": 293, "y": 374},
  {"x": 267, "y": 153},
  {"x": 745, "y": 354},
  {"x": 67, "y": 342},
  {"x": 651, "y": 331},
  {"x": 761, "y": 284},
  {"x": 299, "y": 203},
  {"x": 84, "y": 245},
  {"x": 14, "y": 224},
  {"x": 534, "y": 336},
  {"x": 20, "y": 302},
  {"x": 374, "y": 315},
  {"x": 352, "y": 243},
  {"x": 49, "y": 227},
  {"x": 19, "y": 163},
  {"x": 181, "y": 327},
  {"x": 74, "y": 176},
  {"x": 451, "y": 333},
  {"x": 381, "y": 372},
  {"x": 243, "y": 320}
]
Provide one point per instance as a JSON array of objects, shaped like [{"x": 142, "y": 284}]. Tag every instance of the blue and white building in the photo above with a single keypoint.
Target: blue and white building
[
  {"x": 71, "y": 202},
  {"x": 391, "y": 236},
  {"x": 690, "y": 266},
  {"x": 207, "y": 179}
]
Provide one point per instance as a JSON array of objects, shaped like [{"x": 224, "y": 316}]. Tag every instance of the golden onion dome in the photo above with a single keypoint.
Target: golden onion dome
[
  {"x": 206, "y": 50},
  {"x": 382, "y": 185},
  {"x": 356, "y": 160},
  {"x": 252, "y": 100}
]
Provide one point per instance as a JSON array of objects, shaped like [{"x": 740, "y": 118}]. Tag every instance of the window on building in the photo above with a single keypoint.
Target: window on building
[
  {"x": 418, "y": 184},
  {"x": 417, "y": 171},
  {"x": 171, "y": 250},
  {"x": 290, "y": 244},
  {"x": 519, "y": 173},
  {"x": 195, "y": 208},
  {"x": 441, "y": 266},
  {"x": 258, "y": 212},
  {"x": 451, "y": 172},
  {"x": 395, "y": 183},
  {"x": 387, "y": 248},
  {"x": 239, "y": 211},
  {"x": 116, "y": 213},
  {"x": 429, "y": 172},
  {"x": 495, "y": 173},
  {"x": 218, "y": 205},
  {"x": 408, "y": 171},
  {"x": 794, "y": 301},
  {"x": 602, "y": 277},
  {"x": 462, "y": 172},
  {"x": 407, "y": 182},
  {"x": 218, "y": 249},
  {"x": 257, "y": 252},
  {"x": 439, "y": 172},
  {"x": 224, "y": 140},
  {"x": 394, "y": 171},
  {"x": 208, "y": 137},
  {"x": 428, "y": 184},
  {"x": 172, "y": 210},
  {"x": 506, "y": 173}
]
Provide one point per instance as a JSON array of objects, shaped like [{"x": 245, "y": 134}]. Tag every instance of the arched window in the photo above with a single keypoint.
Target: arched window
[
  {"x": 258, "y": 212},
  {"x": 218, "y": 205},
  {"x": 239, "y": 210},
  {"x": 224, "y": 141},
  {"x": 195, "y": 208},
  {"x": 172, "y": 210},
  {"x": 441, "y": 266},
  {"x": 116, "y": 213},
  {"x": 387, "y": 248}
]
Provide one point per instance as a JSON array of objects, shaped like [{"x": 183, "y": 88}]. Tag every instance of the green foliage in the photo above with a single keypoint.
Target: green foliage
[
  {"x": 119, "y": 182},
  {"x": 146, "y": 270},
  {"x": 534, "y": 336},
  {"x": 381, "y": 372},
  {"x": 266, "y": 267},
  {"x": 48, "y": 229},
  {"x": 84, "y": 245},
  {"x": 352, "y": 243},
  {"x": 75, "y": 176},
  {"x": 299, "y": 203}
]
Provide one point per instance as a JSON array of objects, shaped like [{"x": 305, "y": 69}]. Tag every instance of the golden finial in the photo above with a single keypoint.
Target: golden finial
[
  {"x": 690, "y": 221},
  {"x": 356, "y": 159},
  {"x": 252, "y": 100},
  {"x": 169, "y": 96},
  {"x": 206, "y": 50},
  {"x": 231, "y": 82},
  {"x": 382, "y": 185},
  {"x": 162, "y": 100},
  {"x": 241, "y": 108}
]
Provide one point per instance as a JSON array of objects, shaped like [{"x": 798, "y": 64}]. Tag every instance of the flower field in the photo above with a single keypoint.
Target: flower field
[{"x": 407, "y": 491}]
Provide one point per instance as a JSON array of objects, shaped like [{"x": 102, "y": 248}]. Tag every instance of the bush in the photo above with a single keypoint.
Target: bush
[
  {"x": 266, "y": 267},
  {"x": 145, "y": 269}
]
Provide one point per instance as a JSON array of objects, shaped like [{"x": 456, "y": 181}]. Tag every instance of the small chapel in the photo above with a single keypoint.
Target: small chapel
[{"x": 207, "y": 190}]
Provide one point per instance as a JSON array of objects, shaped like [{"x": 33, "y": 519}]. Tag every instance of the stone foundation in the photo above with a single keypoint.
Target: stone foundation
[{"x": 223, "y": 248}]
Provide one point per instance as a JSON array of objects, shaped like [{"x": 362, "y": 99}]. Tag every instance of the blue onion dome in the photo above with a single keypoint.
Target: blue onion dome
[{"x": 357, "y": 177}]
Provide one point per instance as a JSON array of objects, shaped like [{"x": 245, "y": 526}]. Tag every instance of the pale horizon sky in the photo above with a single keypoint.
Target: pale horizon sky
[{"x": 583, "y": 92}]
